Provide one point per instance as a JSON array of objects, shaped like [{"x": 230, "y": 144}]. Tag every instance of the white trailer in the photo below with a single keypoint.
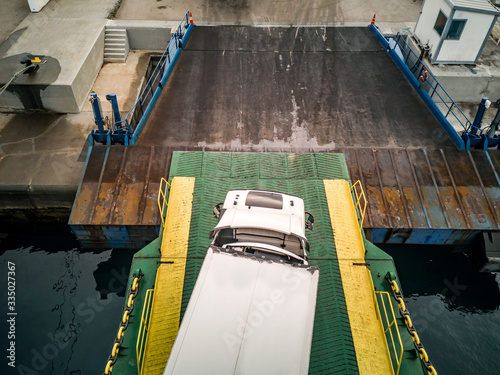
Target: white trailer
[{"x": 252, "y": 308}]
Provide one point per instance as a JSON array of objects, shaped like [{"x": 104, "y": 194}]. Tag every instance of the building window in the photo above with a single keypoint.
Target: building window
[
  {"x": 440, "y": 23},
  {"x": 456, "y": 29}
]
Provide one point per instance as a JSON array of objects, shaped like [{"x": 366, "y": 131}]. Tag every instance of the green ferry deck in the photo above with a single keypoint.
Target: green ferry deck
[{"x": 356, "y": 328}]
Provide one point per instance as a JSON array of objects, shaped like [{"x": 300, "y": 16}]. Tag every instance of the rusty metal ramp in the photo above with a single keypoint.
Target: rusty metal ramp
[
  {"x": 427, "y": 196},
  {"x": 116, "y": 200}
]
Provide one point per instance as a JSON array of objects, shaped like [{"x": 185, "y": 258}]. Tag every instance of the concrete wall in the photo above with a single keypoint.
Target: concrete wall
[
  {"x": 10, "y": 102},
  {"x": 147, "y": 35},
  {"x": 470, "y": 88},
  {"x": 89, "y": 70}
]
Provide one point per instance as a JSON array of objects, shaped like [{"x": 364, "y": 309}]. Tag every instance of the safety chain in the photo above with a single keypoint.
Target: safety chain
[
  {"x": 398, "y": 296},
  {"x": 124, "y": 322}
]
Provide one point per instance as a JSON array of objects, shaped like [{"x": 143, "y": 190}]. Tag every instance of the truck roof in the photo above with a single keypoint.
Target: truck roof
[
  {"x": 263, "y": 210},
  {"x": 247, "y": 316}
]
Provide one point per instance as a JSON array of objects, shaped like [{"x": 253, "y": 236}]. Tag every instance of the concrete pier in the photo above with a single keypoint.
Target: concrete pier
[{"x": 42, "y": 155}]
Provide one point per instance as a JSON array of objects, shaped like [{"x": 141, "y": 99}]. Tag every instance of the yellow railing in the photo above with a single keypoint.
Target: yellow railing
[
  {"x": 360, "y": 202},
  {"x": 391, "y": 329},
  {"x": 143, "y": 329},
  {"x": 162, "y": 200}
]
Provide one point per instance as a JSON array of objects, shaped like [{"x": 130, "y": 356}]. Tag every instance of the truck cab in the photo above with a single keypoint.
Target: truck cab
[{"x": 268, "y": 224}]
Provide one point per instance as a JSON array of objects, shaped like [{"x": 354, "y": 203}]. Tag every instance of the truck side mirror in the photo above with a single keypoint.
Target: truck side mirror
[
  {"x": 309, "y": 221},
  {"x": 216, "y": 210}
]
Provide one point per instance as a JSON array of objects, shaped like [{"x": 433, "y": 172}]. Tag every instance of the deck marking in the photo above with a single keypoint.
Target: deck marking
[
  {"x": 166, "y": 309},
  {"x": 368, "y": 336}
]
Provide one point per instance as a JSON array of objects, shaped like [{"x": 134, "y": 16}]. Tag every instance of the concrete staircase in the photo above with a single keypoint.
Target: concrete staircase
[{"x": 116, "y": 45}]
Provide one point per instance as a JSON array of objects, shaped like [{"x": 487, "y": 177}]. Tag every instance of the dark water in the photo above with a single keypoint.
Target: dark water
[
  {"x": 68, "y": 302},
  {"x": 455, "y": 309}
]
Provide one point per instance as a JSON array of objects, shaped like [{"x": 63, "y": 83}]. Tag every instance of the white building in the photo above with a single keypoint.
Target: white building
[{"x": 455, "y": 31}]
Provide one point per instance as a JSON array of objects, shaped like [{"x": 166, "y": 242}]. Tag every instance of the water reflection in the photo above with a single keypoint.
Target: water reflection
[
  {"x": 454, "y": 307},
  {"x": 68, "y": 302}
]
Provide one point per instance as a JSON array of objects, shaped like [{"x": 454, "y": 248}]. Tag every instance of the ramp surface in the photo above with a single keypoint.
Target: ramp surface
[
  {"x": 335, "y": 343},
  {"x": 294, "y": 89}
]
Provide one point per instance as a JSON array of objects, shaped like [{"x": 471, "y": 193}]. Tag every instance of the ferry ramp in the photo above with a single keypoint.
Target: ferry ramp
[
  {"x": 296, "y": 89},
  {"x": 348, "y": 336}
]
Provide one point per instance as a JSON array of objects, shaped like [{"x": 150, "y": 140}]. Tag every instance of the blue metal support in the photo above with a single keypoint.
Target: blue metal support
[
  {"x": 483, "y": 106},
  {"x": 491, "y": 139},
  {"x": 117, "y": 133},
  {"x": 116, "y": 111},
  {"x": 100, "y": 135},
  {"x": 96, "y": 107}
]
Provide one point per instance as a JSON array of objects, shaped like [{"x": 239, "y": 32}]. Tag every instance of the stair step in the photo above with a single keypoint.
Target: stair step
[
  {"x": 115, "y": 49},
  {"x": 108, "y": 60},
  {"x": 116, "y": 45},
  {"x": 115, "y": 31},
  {"x": 115, "y": 36},
  {"x": 119, "y": 56},
  {"x": 114, "y": 54},
  {"x": 115, "y": 59},
  {"x": 115, "y": 40}
]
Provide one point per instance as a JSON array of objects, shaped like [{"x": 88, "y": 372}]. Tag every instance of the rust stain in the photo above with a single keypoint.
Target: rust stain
[
  {"x": 84, "y": 204},
  {"x": 477, "y": 207},
  {"x": 103, "y": 203},
  {"x": 452, "y": 207},
  {"x": 431, "y": 200},
  {"x": 151, "y": 216},
  {"x": 396, "y": 208},
  {"x": 127, "y": 204},
  {"x": 415, "y": 209},
  {"x": 376, "y": 206}
]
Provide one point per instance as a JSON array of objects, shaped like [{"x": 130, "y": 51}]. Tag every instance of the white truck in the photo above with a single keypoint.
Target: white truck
[{"x": 252, "y": 308}]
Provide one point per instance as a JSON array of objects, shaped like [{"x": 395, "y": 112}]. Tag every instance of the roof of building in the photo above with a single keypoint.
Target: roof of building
[{"x": 477, "y": 6}]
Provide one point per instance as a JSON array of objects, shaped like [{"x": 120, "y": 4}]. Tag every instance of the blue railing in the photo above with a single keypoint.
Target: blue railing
[
  {"x": 428, "y": 87},
  {"x": 430, "y": 84},
  {"x": 136, "y": 118}
]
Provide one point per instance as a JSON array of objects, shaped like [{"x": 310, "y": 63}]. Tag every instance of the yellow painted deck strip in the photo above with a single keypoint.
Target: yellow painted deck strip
[
  {"x": 372, "y": 353},
  {"x": 166, "y": 309}
]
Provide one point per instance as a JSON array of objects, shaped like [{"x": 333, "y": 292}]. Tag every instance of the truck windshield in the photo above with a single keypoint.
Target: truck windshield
[{"x": 281, "y": 240}]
